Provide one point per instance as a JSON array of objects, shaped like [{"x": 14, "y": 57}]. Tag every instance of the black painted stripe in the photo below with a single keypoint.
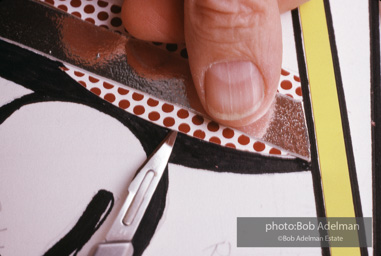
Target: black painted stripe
[
  {"x": 376, "y": 121},
  {"x": 316, "y": 178}
]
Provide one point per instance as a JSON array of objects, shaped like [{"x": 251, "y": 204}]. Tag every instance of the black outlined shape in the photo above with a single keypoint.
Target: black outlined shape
[
  {"x": 49, "y": 83},
  {"x": 92, "y": 218}
]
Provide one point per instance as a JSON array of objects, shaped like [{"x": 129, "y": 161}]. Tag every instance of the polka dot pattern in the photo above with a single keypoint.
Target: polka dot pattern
[
  {"x": 169, "y": 115},
  {"x": 107, "y": 14},
  {"x": 289, "y": 85},
  {"x": 101, "y": 13}
]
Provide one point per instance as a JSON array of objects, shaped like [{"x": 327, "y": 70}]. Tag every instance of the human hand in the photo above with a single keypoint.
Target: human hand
[{"x": 234, "y": 49}]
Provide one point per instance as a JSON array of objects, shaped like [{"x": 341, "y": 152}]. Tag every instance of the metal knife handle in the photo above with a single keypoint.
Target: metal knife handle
[{"x": 114, "y": 249}]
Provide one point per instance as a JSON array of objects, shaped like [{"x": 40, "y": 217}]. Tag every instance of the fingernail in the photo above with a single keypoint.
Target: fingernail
[{"x": 233, "y": 90}]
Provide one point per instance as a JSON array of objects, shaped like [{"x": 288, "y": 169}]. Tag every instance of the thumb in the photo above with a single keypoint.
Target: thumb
[{"x": 235, "y": 51}]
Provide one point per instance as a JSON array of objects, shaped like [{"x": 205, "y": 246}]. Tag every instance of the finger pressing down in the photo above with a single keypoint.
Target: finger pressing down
[{"x": 235, "y": 51}]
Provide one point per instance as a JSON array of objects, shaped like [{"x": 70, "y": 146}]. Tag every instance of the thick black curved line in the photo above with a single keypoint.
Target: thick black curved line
[
  {"x": 92, "y": 218},
  {"x": 49, "y": 83},
  {"x": 8, "y": 109},
  {"x": 376, "y": 121},
  {"x": 44, "y": 77},
  {"x": 150, "y": 220}
]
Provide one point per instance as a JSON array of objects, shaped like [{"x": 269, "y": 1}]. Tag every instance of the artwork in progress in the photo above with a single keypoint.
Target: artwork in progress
[{"x": 82, "y": 136}]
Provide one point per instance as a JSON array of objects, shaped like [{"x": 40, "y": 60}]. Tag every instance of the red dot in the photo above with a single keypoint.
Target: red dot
[
  {"x": 116, "y": 22},
  {"x": 243, "y": 140},
  {"x": 116, "y": 9},
  {"x": 167, "y": 108},
  {"x": 154, "y": 116},
  {"x": 62, "y": 7},
  {"x": 259, "y": 146},
  {"x": 299, "y": 91},
  {"x": 228, "y": 133},
  {"x": 168, "y": 121},
  {"x": 275, "y": 151},
  {"x": 215, "y": 140},
  {"x": 96, "y": 91},
  {"x": 110, "y": 97},
  {"x": 230, "y": 145},
  {"x": 93, "y": 79},
  {"x": 289, "y": 95},
  {"x": 107, "y": 85},
  {"x": 124, "y": 104},
  {"x": 139, "y": 110},
  {"x": 102, "y": 3},
  {"x": 64, "y": 68},
  {"x": 102, "y": 16},
  {"x": 284, "y": 72},
  {"x": 213, "y": 126},
  {"x": 77, "y": 14},
  {"x": 152, "y": 102},
  {"x": 90, "y": 20},
  {"x": 89, "y": 8},
  {"x": 77, "y": 73},
  {"x": 184, "y": 128},
  {"x": 182, "y": 113},
  {"x": 75, "y": 3},
  {"x": 199, "y": 134},
  {"x": 296, "y": 78},
  {"x": 82, "y": 83},
  {"x": 198, "y": 120},
  {"x": 137, "y": 96},
  {"x": 122, "y": 91},
  {"x": 287, "y": 85}
]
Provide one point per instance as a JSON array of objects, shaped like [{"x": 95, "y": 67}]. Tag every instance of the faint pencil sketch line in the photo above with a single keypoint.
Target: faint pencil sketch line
[{"x": 215, "y": 249}]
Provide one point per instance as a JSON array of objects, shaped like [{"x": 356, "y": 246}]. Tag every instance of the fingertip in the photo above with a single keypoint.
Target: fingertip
[
  {"x": 234, "y": 92},
  {"x": 152, "y": 20},
  {"x": 235, "y": 57},
  {"x": 287, "y": 5}
]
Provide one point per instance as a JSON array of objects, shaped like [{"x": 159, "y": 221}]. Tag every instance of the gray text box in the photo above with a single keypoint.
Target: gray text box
[{"x": 304, "y": 232}]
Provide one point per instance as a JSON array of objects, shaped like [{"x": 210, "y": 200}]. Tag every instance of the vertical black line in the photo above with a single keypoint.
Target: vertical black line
[
  {"x": 315, "y": 170},
  {"x": 376, "y": 121},
  {"x": 344, "y": 121}
]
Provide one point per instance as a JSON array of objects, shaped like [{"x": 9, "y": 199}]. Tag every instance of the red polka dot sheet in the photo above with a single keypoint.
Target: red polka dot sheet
[
  {"x": 107, "y": 14},
  {"x": 174, "y": 117}
]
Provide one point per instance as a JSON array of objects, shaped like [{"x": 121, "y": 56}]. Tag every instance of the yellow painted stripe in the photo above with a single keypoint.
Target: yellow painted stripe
[{"x": 327, "y": 118}]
